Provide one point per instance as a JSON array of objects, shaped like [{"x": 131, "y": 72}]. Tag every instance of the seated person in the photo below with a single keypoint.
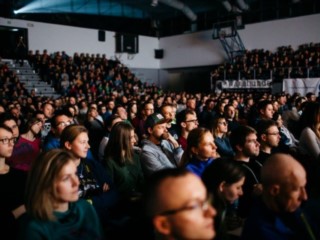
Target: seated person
[
  {"x": 278, "y": 214},
  {"x": 178, "y": 205},
  {"x": 54, "y": 210}
]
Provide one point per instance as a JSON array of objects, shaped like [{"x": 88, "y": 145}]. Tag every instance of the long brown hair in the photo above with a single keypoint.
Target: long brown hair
[
  {"x": 193, "y": 140},
  {"x": 119, "y": 146},
  {"x": 40, "y": 189}
]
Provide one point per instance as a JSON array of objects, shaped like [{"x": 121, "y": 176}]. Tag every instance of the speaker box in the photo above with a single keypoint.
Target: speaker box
[
  {"x": 101, "y": 36},
  {"x": 127, "y": 43},
  {"x": 158, "y": 53}
]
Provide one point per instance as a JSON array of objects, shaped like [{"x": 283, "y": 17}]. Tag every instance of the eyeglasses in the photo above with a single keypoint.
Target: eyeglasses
[
  {"x": 192, "y": 120},
  {"x": 275, "y": 133},
  {"x": 64, "y": 124},
  {"x": 223, "y": 123},
  {"x": 199, "y": 205},
  {"x": 7, "y": 140}
]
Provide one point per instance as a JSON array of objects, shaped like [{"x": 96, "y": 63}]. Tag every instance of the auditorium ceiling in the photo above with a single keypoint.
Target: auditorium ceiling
[{"x": 154, "y": 17}]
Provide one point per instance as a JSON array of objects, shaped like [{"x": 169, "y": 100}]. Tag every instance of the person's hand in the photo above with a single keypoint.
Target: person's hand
[
  {"x": 167, "y": 136},
  {"x": 105, "y": 187}
]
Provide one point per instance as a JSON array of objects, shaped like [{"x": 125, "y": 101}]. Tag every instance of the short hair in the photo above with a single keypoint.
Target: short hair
[
  {"x": 59, "y": 113},
  {"x": 40, "y": 187},
  {"x": 263, "y": 125},
  {"x": 7, "y": 117},
  {"x": 182, "y": 116},
  {"x": 153, "y": 183},
  {"x": 238, "y": 136},
  {"x": 5, "y": 127},
  {"x": 263, "y": 104}
]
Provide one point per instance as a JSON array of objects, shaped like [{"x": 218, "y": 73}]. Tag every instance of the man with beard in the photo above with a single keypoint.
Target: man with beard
[{"x": 160, "y": 149}]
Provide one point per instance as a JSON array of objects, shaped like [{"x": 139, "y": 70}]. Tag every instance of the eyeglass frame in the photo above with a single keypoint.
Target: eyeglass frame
[
  {"x": 275, "y": 134},
  {"x": 67, "y": 123},
  {"x": 203, "y": 206},
  {"x": 6, "y": 141},
  {"x": 192, "y": 120}
]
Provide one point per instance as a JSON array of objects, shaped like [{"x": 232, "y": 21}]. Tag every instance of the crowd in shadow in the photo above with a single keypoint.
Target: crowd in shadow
[{"x": 114, "y": 158}]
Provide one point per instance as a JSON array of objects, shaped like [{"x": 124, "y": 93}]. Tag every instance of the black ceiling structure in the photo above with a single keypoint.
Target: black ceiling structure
[{"x": 156, "y": 18}]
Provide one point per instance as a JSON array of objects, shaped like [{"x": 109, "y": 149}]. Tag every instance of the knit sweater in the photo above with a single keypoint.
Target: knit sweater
[{"x": 80, "y": 221}]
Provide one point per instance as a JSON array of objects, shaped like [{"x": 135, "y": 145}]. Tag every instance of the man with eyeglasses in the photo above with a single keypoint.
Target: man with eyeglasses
[
  {"x": 10, "y": 121},
  {"x": 60, "y": 120},
  {"x": 138, "y": 122},
  {"x": 11, "y": 186},
  {"x": 177, "y": 203},
  {"x": 187, "y": 121},
  {"x": 269, "y": 138}
]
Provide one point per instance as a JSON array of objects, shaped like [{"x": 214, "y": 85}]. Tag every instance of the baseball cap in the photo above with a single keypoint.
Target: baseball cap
[{"x": 154, "y": 119}]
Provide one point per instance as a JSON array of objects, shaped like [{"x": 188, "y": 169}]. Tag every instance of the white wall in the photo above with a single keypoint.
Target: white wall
[
  {"x": 74, "y": 39},
  {"x": 199, "y": 49},
  {"x": 186, "y": 50}
]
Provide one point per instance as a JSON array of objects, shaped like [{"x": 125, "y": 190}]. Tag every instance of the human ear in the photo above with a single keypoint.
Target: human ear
[
  {"x": 274, "y": 190},
  {"x": 194, "y": 150},
  {"x": 67, "y": 145},
  {"x": 221, "y": 186},
  {"x": 150, "y": 130},
  {"x": 161, "y": 225}
]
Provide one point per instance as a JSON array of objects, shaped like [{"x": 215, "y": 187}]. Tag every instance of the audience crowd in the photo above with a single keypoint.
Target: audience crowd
[
  {"x": 114, "y": 158},
  {"x": 264, "y": 64}
]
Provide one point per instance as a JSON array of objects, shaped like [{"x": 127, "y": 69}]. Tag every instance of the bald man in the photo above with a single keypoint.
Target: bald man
[
  {"x": 277, "y": 215},
  {"x": 178, "y": 205}
]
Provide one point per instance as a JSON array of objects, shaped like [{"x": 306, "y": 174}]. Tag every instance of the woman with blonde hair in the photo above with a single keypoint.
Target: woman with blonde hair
[
  {"x": 52, "y": 201},
  {"x": 95, "y": 184}
]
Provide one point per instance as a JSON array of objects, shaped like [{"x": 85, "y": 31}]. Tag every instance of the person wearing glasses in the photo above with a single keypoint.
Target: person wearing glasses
[
  {"x": 10, "y": 121},
  {"x": 60, "y": 120},
  {"x": 178, "y": 205},
  {"x": 187, "y": 121},
  {"x": 201, "y": 151},
  {"x": 12, "y": 186},
  {"x": 28, "y": 145},
  {"x": 221, "y": 138},
  {"x": 269, "y": 139},
  {"x": 146, "y": 109}
]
